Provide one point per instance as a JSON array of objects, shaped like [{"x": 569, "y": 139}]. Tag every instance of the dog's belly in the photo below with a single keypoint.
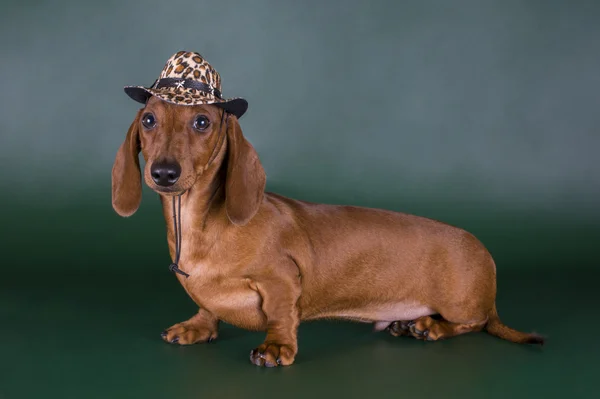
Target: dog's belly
[{"x": 381, "y": 314}]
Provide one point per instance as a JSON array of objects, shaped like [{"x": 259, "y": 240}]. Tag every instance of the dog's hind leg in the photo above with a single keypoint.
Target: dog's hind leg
[
  {"x": 430, "y": 329},
  {"x": 202, "y": 327}
]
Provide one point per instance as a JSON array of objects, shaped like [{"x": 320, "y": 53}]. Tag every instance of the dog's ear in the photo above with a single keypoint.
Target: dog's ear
[
  {"x": 126, "y": 175},
  {"x": 246, "y": 179}
]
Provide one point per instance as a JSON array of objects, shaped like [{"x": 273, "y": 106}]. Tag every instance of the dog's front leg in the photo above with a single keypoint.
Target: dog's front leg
[
  {"x": 202, "y": 327},
  {"x": 279, "y": 304}
]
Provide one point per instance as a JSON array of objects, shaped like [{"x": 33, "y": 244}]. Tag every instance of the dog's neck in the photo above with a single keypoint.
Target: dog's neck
[
  {"x": 205, "y": 200},
  {"x": 202, "y": 211}
]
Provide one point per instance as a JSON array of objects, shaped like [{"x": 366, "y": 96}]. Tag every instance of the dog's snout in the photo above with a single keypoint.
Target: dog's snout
[{"x": 165, "y": 173}]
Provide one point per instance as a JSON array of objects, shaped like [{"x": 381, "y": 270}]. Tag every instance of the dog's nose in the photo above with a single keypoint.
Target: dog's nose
[{"x": 165, "y": 173}]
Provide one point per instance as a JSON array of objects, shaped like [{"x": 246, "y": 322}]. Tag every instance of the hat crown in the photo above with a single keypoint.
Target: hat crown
[{"x": 191, "y": 65}]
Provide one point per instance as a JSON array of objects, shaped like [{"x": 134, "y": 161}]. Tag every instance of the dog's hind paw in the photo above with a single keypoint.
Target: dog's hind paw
[
  {"x": 399, "y": 328},
  {"x": 424, "y": 328}
]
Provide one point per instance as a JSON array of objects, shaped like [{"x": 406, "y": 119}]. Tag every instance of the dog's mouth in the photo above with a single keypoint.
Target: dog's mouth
[
  {"x": 168, "y": 191},
  {"x": 176, "y": 189}
]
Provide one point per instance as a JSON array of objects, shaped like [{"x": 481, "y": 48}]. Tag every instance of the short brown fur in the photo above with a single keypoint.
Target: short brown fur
[{"x": 261, "y": 261}]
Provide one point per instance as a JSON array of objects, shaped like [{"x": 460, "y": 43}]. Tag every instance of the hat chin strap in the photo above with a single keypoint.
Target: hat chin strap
[{"x": 174, "y": 267}]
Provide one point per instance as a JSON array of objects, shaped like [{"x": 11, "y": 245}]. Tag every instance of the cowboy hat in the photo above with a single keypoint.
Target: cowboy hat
[{"x": 187, "y": 79}]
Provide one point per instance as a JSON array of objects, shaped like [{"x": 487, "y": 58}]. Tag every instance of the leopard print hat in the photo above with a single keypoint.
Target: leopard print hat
[{"x": 187, "y": 79}]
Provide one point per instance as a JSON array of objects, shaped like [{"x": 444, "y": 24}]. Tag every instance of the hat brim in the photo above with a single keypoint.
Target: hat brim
[{"x": 235, "y": 106}]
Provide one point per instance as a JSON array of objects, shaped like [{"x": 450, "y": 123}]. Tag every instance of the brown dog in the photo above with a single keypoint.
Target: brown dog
[{"x": 264, "y": 262}]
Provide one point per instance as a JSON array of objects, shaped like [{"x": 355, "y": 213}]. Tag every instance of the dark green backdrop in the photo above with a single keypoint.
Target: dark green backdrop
[{"x": 480, "y": 113}]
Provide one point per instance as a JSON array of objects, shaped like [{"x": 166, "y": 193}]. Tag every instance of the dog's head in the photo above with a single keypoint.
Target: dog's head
[{"x": 178, "y": 143}]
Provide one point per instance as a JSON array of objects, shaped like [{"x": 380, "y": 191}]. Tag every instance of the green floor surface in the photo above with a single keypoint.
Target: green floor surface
[{"x": 97, "y": 335}]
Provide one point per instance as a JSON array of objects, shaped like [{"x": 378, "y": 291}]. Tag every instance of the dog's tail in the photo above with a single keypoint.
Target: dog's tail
[{"x": 495, "y": 327}]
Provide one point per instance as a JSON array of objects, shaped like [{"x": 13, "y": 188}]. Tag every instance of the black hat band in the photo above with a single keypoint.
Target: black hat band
[{"x": 186, "y": 84}]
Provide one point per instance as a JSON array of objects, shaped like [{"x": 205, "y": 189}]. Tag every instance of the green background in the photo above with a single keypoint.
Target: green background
[{"x": 483, "y": 114}]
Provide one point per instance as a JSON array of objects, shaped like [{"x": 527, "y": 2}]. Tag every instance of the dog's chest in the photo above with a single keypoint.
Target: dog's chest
[{"x": 229, "y": 298}]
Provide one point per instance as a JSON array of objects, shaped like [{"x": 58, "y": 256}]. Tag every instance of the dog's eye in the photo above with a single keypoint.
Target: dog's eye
[
  {"x": 201, "y": 123},
  {"x": 148, "y": 121}
]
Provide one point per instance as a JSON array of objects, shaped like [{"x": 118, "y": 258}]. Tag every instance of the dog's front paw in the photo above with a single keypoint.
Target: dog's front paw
[
  {"x": 187, "y": 334},
  {"x": 273, "y": 354}
]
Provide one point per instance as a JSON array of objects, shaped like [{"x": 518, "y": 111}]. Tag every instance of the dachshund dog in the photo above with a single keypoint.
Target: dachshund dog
[{"x": 264, "y": 262}]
